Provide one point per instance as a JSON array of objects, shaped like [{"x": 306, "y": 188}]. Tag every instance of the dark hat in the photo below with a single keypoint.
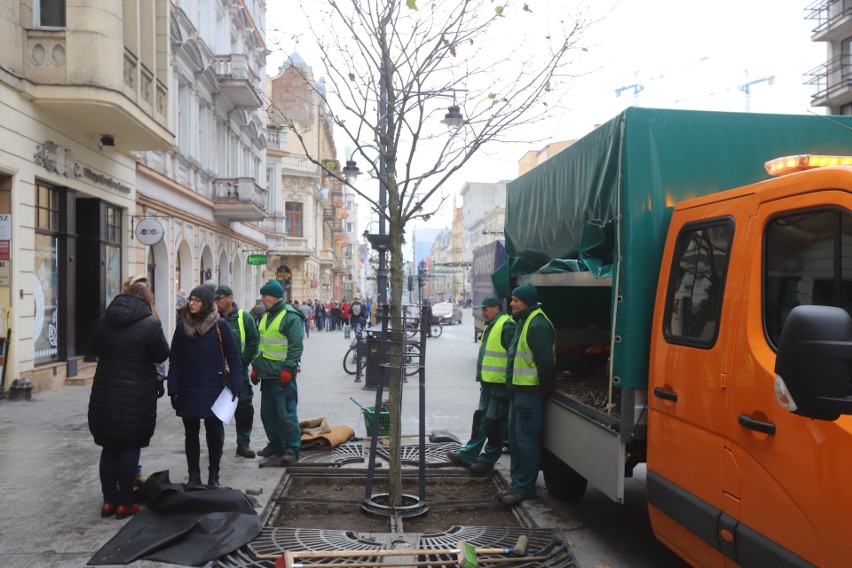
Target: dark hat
[
  {"x": 203, "y": 293},
  {"x": 490, "y": 302},
  {"x": 223, "y": 290},
  {"x": 526, "y": 293},
  {"x": 272, "y": 288}
]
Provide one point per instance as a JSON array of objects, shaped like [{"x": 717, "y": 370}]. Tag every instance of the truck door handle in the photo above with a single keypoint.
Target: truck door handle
[
  {"x": 664, "y": 394},
  {"x": 747, "y": 421}
]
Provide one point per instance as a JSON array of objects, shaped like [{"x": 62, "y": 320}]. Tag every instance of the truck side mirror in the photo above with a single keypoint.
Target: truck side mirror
[{"x": 814, "y": 362}]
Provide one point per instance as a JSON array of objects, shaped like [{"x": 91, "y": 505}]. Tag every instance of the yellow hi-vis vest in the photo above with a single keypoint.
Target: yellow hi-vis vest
[
  {"x": 242, "y": 330},
  {"x": 273, "y": 345},
  {"x": 524, "y": 372},
  {"x": 495, "y": 359}
]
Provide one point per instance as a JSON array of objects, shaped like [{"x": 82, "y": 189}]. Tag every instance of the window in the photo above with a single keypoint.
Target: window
[
  {"x": 50, "y": 13},
  {"x": 806, "y": 263},
  {"x": 184, "y": 133},
  {"x": 293, "y": 219},
  {"x": 697, "y": 283},
  {"x": 46, "y": 325},
  {"x": 350, "y": 227},
  {"x": 112, "y": 253}
]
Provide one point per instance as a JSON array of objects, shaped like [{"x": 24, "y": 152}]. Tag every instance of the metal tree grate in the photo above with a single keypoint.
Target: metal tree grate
[
  {"x": 274, "y": 541},
  {"x": 409, "y": 454},
  {"x": 542, "y": 542},
  {"x": 349, "y": 452}
]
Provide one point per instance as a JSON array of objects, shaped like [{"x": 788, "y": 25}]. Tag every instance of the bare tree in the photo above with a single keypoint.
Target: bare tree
[{"x": 393, "y": 65}]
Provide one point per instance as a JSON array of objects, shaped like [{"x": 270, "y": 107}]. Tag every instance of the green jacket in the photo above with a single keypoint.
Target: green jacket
[
  {"x": 293, "y": 328},
  {"x": 505, "y": 340},
  {"x": 541, "y": 339},
  {"x": 248, "y": 353}
]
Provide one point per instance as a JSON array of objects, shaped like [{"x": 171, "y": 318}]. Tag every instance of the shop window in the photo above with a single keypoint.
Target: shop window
[
  {"x": 808, "y": 260},
  {"x": 46, "y": 272},
  {"x": 293, "y": 219},
  {"x": 697, "y": 283}
]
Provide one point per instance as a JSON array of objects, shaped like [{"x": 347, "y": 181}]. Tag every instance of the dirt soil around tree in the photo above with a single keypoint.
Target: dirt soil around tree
[{"x": 336, "y": 504}]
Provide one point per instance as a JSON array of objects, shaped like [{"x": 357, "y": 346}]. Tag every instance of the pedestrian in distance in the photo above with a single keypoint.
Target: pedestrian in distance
[
  {"x": 356, "y": 316},
  {"x": 201, "y": 345},
  {"x": 244, "y": 329},
  {"x": 530, "y": 374},
  {"x": 308, "y": 312},
  {"x": 319, "y": 315},
  {"x": 276, "y": 368},
  {"x": 128, "y": 342},
  {"x": 490, "y": 420}
]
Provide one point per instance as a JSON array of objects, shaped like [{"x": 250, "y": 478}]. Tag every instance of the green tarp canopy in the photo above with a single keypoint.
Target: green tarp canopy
[{"x": 615, "y": 188}]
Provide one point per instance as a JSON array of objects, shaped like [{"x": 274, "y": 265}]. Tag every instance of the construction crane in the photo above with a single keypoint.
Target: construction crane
[
  {"x": 639, "y": 87},
  {"x": 745, "y": 88}
]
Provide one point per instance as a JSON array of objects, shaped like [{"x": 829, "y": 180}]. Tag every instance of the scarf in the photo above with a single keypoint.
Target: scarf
[{"x": 197, "y": 328}]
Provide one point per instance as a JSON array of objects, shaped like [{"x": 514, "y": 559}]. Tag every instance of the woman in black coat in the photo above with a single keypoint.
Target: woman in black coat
[
  {"x": 196, "y": 378},
  {"x": 128, "y": 341}
]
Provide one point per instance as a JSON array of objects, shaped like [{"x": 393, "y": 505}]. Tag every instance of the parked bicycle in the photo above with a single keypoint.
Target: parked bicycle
[
  {"x": 412, "y": 328},
  {"x": 411, "y": 360}
]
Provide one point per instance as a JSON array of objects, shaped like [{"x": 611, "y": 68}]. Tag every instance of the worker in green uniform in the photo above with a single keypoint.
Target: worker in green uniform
[
  {"x": 491, "y": 416},
  {"x": 530, "y": 374},
  {"x": 245, "y": 333},
  {"x": 277, "y": 363}
]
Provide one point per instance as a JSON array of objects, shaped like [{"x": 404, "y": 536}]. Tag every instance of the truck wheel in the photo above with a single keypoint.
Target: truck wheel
[{"x": 562, "y": 482}]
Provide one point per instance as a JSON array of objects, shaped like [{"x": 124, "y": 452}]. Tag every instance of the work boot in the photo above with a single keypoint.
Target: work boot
[
  {"x": 481, "y": 468},
  {"x": 265, "y": 452},
  {"x": 273, "y": 461},
  {"x": 289, "y": 458},
  {"x": 514, "y": 498},
  {"x": 455, "y": 458},
  {"x": 245, "y": 452}
]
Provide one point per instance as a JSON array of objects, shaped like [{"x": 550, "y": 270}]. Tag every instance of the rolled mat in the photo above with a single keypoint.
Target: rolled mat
[
  {"x": 313, "y": 427},
  {"x": 337, "y": 436}
]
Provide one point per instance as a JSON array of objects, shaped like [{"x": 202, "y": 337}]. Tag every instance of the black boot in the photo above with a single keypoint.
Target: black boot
[
  {"x": 194, "y": 478},
  {"x": 213, "y": 477}
]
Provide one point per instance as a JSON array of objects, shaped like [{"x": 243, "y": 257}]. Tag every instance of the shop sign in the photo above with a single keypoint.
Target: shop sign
[
  {"x": 6, "y": 227},
  {"x": 149, "y": 231},
  {"x": 5, "y": 273},
  {"x": 257, "y": 259},
  {"x": 5, "y": 250},
  {"x": 57, "y": 159}
]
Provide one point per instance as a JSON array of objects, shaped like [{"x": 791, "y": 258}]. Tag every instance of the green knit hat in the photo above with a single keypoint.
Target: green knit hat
[
  {"x": 272, "y": 288},
  {"x": 527, "y": 293}
]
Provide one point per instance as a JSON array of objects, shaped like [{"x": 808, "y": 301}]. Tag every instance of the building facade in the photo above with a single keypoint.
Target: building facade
[
  {"x": 83, "y": 86},
  {"x": 832, "y": 81},
  {"x": 207, "y": 192}
]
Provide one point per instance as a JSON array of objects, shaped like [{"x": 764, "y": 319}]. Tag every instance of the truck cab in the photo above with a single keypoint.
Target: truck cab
[{"x": 749, "y": 432}]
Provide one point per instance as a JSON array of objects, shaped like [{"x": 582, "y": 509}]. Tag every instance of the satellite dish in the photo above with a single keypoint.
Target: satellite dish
[{"x": 149, "y": 231}]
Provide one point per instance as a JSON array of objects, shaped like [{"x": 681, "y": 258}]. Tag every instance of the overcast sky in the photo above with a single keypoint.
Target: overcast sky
[{"x": 678, "y": 53}]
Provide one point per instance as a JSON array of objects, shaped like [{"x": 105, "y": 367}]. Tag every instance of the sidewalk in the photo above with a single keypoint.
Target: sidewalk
[{"x": 49, "y": 489}]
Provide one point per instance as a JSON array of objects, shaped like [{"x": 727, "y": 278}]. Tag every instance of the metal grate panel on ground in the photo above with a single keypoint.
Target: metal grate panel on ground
[
  {"x": 542, "y": 542},
  {"x": 349, "y": 452},
  {"x": 436, "y": 453},
  {"x": 275, "y": 540}
]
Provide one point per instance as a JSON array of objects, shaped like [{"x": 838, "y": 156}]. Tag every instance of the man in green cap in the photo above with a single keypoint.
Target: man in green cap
[
  {"x": 245, "y": 334},
  {"x": 530, "y": 374},
  {"x": 281, "y": 329},
  {"x": 490, "y": 417}
]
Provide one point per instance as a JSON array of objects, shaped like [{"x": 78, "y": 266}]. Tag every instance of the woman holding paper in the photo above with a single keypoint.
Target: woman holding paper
[
  {"x": 204, "y": 360},
  {"x": 128, "y": 341}
]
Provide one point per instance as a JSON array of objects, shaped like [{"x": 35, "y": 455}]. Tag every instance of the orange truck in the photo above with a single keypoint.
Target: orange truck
[{"x": 697, "y": 267}]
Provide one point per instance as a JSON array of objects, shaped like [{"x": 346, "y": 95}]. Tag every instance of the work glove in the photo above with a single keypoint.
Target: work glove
[
  {"x": 161, "y": 389},
  {"x": 254, "y": 379},
  {"x": 175, "y": 401},
  {"x": 286, "y": 377}
]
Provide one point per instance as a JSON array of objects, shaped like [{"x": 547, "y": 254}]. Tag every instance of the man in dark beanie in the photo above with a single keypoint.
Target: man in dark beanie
[
  {"x": 244, "y": 329},
  {"x": 530, "y": 374},
  {"x": 281, "y": 332}
]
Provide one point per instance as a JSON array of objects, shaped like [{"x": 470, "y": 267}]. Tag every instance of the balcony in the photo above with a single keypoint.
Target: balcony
[
  {"x": 288, "y": 246},
  {"x": 238, "y": 199},
  {"x": 276, "y": 139},
  {"x": 237, "y": 80},
  {"x": 831, "y": 83},
  {"x": 299, "y": 165},
  {"x": 97, "y": 85},
  {"x": 833, "y": 19}
]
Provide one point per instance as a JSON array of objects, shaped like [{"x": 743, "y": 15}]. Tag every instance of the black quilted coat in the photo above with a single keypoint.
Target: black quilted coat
[{"x": 128, "y": 341}]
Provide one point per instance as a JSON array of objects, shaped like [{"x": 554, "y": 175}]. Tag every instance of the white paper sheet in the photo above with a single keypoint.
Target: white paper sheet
[{"x": 224, "y": 407}]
